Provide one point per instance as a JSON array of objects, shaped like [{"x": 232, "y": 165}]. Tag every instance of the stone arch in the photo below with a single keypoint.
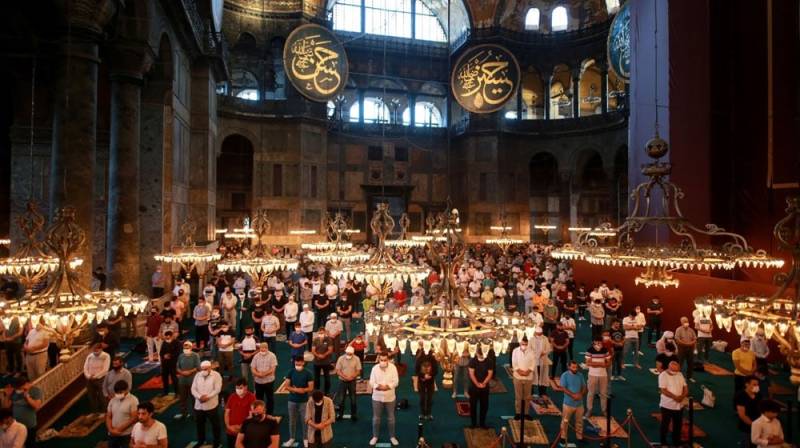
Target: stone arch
[
  {"x": 591, "y": 185},
  {"x": 234, "y": 186},
  {"x": 560, "y": 86},
  {"x": 246, "y": 42},
  {"x": 544, "y": 194},
  {"x": 589, "y": 88},
  {"x": 227, "y": 131}
]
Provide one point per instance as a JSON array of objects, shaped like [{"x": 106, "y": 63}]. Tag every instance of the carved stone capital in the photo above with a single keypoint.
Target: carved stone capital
[
  {"x": 129, "y": 60},
  {"x": 88, "y": 16}
]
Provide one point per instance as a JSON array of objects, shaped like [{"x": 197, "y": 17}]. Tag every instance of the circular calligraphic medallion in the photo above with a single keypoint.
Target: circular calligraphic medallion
[
  {"x": 618, "y": 46},
  {"x": 315, "y": 62},
  {"x": 484, "y": 78}
]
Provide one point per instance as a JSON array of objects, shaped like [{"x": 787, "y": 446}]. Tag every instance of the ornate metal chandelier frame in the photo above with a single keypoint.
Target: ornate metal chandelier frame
[
  {"x": 188, "y": 257},
  {"x": 504, "y": 242},
  {"x": 337, "y": 251}
]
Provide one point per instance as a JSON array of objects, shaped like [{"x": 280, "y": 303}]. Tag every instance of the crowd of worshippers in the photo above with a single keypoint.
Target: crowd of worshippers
[{"x": 229, "y": 336}]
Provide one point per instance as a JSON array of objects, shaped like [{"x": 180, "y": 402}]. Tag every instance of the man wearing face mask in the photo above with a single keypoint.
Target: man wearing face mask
[
  {"x": 107, "y": 339},
  {"x": 523, "y": 363},
  {"x": 95, "y": 369},
  {"x": 686, "y": 339},
  {"x": 597, "y": 316},
  {"x": 766, "y": 430},
  {"x": 13, "y": 434},
  {"x": 299, "y": 384},
  {"x": 480, "y": 375},
  {"x": 258, "y": 429},
  {"x": 322, "y": 349},
  {"x": 247, "y": 349},
  {"x": 598, "y": 359},
  {"x": 348, "y": 369},
  {"x": 153, "y": 325},
  {"x": 673, "y": 390},
  {"x": 229, "y": 302},
  {"x": 384, "y": 380},
  {"x": 426, "y": 368},
  {"x": 654, "y": 310},
  {"x": 24, "y": 400},
  {"x": 121, "y": 416},
  {"x": 170, "y": 349},
  {"x": 663, "y": 359},
  {"x": 225, "y": 343},
  {"x": 744, "y": 360},
  {"x": 35, "y": 349},
  {"x": 760, "y": 347},
  {"x": 746, "y": 403},
  {"x": 205, "y": 389},
  {"x": 187, "y": 366},
  {"x": 319, "y": 420},
  {"x": 237, "y": 409},
  {"x": 263, "y": 367},
  {"x": 117, "y": 373}
]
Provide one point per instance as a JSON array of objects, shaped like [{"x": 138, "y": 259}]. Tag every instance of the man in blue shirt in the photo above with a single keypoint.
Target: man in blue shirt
[
  {"x": 573, "y": 384},
  {"x": 297, "y": 341},
  {"x": 300, "y": 384}
]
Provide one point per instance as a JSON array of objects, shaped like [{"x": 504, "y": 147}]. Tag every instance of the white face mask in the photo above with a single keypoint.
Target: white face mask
[
  {"x": 206, "y": 372},
  {"x": 120, "y": 396},
  {"x": 384, "y": 364},
  {"x": 240, "y": 391},
  {"x": 187, "y": 351},
  {"x": 756, "y": 388},
  {"x": 298, "y": 368},
  {"x": 348, "y": 355}
]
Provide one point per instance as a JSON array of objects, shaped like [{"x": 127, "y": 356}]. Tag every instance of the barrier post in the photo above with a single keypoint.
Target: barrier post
[
  {"x": 503, "y": 435},
  {"x": 630, "y": 420},
  {"x": 608, "y": 421},
  {"x": 691, "y": 421},
  {"x": 420, "y": 439}
]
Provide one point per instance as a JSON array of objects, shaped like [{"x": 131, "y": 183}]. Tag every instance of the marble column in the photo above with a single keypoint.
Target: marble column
[
  {"x": 128, "y": 65},
  {"x": 576, "y": 93},
  {"x": 72, "y": 165},
  {"x": 604, "y": 89}
]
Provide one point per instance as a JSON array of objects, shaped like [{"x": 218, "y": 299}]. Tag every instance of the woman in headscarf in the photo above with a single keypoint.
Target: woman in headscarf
[{"x": 661, "y": 343}]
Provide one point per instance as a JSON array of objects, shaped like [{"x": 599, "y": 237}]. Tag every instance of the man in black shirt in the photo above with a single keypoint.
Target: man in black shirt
[
  {"x": 170, "y": 349},
  {"x": 258, "y": 429},
  {"x": 322, "y": 307},
  {"x": 345, "y": 310},
  {"x": 618, "y": 339},
  {"x": 663, "y": 359},
  {"x": 425, "y": 370},
  {"x": 654, "y": 310},
  {"x": 746, "y": 402},
  {"x": 480, "y": 375},
  {"x": 106, "y": 338}
]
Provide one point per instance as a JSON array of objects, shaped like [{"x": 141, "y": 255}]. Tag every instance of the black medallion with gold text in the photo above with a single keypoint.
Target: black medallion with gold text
[
  {"x": 484, "y": 78},
  {"x": 315, "y": 62}
]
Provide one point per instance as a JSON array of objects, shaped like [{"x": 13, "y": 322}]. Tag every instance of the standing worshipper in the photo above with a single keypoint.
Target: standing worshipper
[
  {"x": 673, "y": 390},
  {"x": 523, "y": 364},
  {"x": 259, "y": 429},
  {"x": 121, "y": 415},
  {"x": 570, "y": 326},
  {"x": 686, "y": 338},
  {"x": 152, "y": 339},
  {"x": 95, "y": 369},
  {"x": 206, "y": 388},
  {"x": 597, "y": 316},
  {"x": 348, "y": 369},
  {"x": 158, "y": 282},
  {"x": 26, "y": 399},
  {"x": 170, "y": 349},
  {"x": 654, "y": 310},
  {"x": 598, "y": 359},
  {"x": 12, "y": 339},
  {"x": 426, "y": 368},
  {"x": 109, "y": 340},
  {"x": 617, "y": 345},
  {"x": 35, "y": 349},
  {"x": 186, "y": 368},
  {"x": 746, "y": 403},
  {"x": 290, "y": 314},
  {"x": 117, "y": 373},
  {"x": 345, "y": 309},
  {"x": 573, "y": 384},
  {"x": 766, "y": 430},
  {"x": 263, "y": 366},
  {"x": 704, "y": 326},
  {"x": 237, "y": 409},
  {"x": 480, "y": 375},
  {"x": 201, "y": 314},
  {"x": 225, "y": 343},
  {"x": 320, "y": 415},
  {"x": 631, "y": 343},
  {"x": 148, "y": 432},
  {"x": 760, "y": 346},
  {"x": 247, "y": 349},
  {"x": 297, "y": 341},
  {"x": 384, "y": 380},
  {"x": 334, "y": 328},
  {"x": 307, "y": 324},
  {"x": 322, "y": 349},
  {"x": 300, "y": 383},
  {"x": 229, "y": 302},
  {"x": 744, "y": 361},
  {"x": 541, "y": 351},
  {"x": 559, "y": 340},
  {"x": 12, "y": 433}
]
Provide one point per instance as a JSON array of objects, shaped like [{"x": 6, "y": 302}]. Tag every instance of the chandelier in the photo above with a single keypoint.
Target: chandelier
[
  {"x": 656, "y": 207},
  {"x": 259, "y": 264},
  {"x": 336, "y": 251},
  {"x": 404, "y": 244},
  {"x": 449, "y": 324},
  {"x": 30, "y": 264},
  {"x": 381, "y": 270},
  {"x": 504, "y": 241},
  {"x": 66, "y": 307},
  {"x": 656, "y": 276},
  {"x": 188, "y": 256},
  {"x": 779, "y": 314}
]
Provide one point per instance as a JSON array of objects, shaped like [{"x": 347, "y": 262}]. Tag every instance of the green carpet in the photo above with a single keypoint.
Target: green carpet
[{"x": 639, "y": 394}]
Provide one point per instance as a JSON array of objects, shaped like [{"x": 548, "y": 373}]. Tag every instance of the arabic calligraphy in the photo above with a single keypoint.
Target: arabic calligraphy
[
  {"x": 317, "y": 62},
  {"x": 619, "y": 44},
  {"x": 484, "y": 78}
]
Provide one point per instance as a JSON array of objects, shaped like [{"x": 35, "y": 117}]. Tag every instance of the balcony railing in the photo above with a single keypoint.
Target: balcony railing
[
  {"x": 291, "y": 108},
  {"x": 492, "y": 123},
  {"x": 578, "y": 36}
]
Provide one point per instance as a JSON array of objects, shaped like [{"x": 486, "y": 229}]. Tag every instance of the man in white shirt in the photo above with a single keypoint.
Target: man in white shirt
[
  {"x": 121, "y": 416},
  {"x": 182, "y": 285},
  {"x": 631, "y": 343},
  {"x": 229, "y": 302},
  {"x": 570, "y": 327},
  {"x": 334, "y": 327},
  {"x": 384, "y": 380},
  {"x": 290, "y": 313},
  {"x": 307, "y": 324},
  {"x": 35, "y": 349},
  {"x": 332, "y": 290},
  {"x": 766, "y": 431},
  {"x": 523, "y": 364},
  {"x": 148, "y": 432},
  {"x": 263, "y": 366},
  {"x": 12, "y": 432},
  {"x": 703, "y": 325},
  {"x": 95, "y": 369},
  {"x": 673, "y": 390},
  {"x": 205, "y": 389}
]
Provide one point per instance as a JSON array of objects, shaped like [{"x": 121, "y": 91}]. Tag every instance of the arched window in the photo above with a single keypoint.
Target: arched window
[
  {"x": 394, "y": 18},
  {"x": 248, "y": 94},
  {"x": 559, "y": 20},
  {"x": 532, "y": 19},
  {"x": 375, "y": 111},
  {"x": 426, "y": 114},
  {"x": 612, "y": 6}
]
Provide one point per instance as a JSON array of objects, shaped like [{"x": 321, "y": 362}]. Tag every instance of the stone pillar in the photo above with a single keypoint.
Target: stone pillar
[
  {"x": 603, "y": 89},
  {"x": 203, "y": 160},
  {"x": 547, "y": 101},
  {"x": 72, "y": 165},
  {"x": 128, "y": 65},
  {"x": 576, "y": 93}
]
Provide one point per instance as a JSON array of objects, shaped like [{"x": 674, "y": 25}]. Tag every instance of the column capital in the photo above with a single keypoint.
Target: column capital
[
  {"x": 89, "y": 16},
  {"x": 129, "y": 60}
]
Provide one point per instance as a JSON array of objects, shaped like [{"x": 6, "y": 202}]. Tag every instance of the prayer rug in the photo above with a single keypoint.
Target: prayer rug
[
  {"x": 144, "y": 367},
  {"x": 697, "y": 405},
  {"x": 716, "y": 370},
  {"x": 556, "y": 381},
  {"x": 370, "y": 358},
  {"x": 654, "y": 372},
  {"x": 162, "y": 402},
  {"x": 534, "y": 432},
  {"x": 462, "y": 408},
  {"x": 698, "y": 432},
  {"x": 82, "y": 426},
  {"x": 497, "y": 387},
  {"x": 509, "y": 371},
  {"x": 153, "y": 383},
  {"x": 480, "y": 437},
  {"x": 617, "y": 431},
  {"x": 363, "y": 388},
  {"x": 282, "y": 390},
  {"x": 779, "y": 389},
  {"x": 544, "y": 406}
]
